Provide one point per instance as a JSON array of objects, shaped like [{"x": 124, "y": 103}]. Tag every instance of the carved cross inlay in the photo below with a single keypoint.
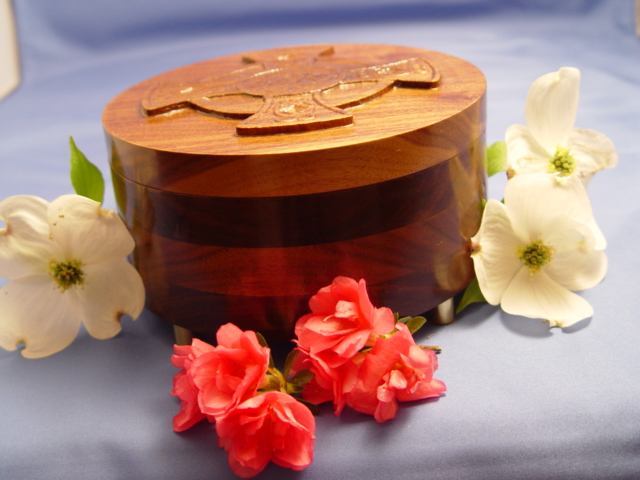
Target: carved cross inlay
[{"x": 288, "y": 91}]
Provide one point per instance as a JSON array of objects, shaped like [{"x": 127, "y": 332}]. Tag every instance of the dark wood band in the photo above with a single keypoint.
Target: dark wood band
[
  {"x": 291, "y": 221},
  {"x": 410, "y": 270}
]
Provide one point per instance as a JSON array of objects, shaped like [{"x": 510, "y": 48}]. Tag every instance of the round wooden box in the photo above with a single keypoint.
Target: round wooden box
[{"x": 252, "y": 180}]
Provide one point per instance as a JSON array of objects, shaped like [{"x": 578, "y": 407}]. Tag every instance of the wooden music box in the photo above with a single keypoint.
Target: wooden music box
[{"x": 252, "y": 180}]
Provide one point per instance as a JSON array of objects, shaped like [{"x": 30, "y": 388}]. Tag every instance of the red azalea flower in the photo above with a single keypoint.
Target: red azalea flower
[
  {"x": 183, "y": 385},
  {"x": 327, "y": 383},
  {"x": 395, "y": 369},
  {"x": 342, "y": 322},
  {"x": 269, "y": 427},
  {"x": 230, "y": 373}
]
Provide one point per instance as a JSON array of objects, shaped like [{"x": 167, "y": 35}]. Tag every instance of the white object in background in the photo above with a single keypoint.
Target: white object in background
[{"x": 9, "y": 57}]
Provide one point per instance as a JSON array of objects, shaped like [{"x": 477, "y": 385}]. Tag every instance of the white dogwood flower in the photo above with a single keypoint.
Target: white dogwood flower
[
  {"x": 550, "y": 143},
  {"x": 65, "y": 262},
  {"x": 542, "y": 244}
]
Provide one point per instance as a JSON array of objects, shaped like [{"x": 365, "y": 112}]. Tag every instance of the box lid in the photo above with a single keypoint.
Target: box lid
[{"x": 303, "y": 110}]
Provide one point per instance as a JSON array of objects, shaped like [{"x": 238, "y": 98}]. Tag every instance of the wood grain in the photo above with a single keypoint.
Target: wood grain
[{"x": 242, "y": 228}]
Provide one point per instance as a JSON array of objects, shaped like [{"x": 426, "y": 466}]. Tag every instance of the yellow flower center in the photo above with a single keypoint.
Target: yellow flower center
[
  {"x": 562, "y": 162},
  {"x": 536, "y": 255},
  {"x": 66, "y": 274}
]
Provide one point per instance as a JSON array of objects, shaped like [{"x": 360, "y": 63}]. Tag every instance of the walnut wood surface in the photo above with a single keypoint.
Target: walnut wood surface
[
  {"x": 242, "y": 228},
  {"x": 288, "y": 221}
]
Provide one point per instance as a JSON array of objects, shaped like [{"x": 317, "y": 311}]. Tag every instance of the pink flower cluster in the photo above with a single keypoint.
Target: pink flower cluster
[
  {"x": 333, "y": 341},
  {"x": 221, "y": 384},
  {"x": 348, "y": 352}
]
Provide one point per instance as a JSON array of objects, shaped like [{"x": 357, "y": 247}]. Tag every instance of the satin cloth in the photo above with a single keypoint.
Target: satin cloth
[{"x": 523, "y": 401}]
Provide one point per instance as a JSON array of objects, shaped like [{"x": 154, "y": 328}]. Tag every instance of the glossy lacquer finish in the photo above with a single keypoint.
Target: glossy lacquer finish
[{"x": 250, "y": 181}]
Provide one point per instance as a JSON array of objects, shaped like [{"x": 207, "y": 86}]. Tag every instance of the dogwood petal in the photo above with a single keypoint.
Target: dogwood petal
[
  {"x": 494, "y": 256},
  {"x": 25, "y": 247},
  {"x": 538, "y": 296},
  {"x": 592, "y": 152},
  {"x": 110, "y": 291},
  {"x": 576, "y": 265},
  {"x": 551, "y": 107},
  {"x": 524, "y": 153},
  {"x": 39, "y": 315},
  {"x": 88, "y": 232},
  {"x": 564, "y": 234},
  {"x": 535, "y": 201}
]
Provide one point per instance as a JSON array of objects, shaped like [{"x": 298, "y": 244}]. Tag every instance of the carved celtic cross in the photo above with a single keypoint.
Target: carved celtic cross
[{"x": 294, "y": 90}]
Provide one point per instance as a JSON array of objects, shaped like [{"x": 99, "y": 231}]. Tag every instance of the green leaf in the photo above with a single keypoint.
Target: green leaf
[
  {"x": 434, "y": 348},
  {"x": 86, "y": 178},
  {"x": 263, "y": 343},
  {"x": 496, "y": 158},
  {"x": 289, "y": 362},
  {"x": 272, "y": 385},
  {"x": 302, "y": 377},
  {"x": 472, "y": 294},
  {"x": 261, "y": 340},
  {"x": 403, "y": 319},
  {"x": 311, "y": 406},
  {"x": 416, "y": 324},
  {"x": 293, "y": 388}
]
